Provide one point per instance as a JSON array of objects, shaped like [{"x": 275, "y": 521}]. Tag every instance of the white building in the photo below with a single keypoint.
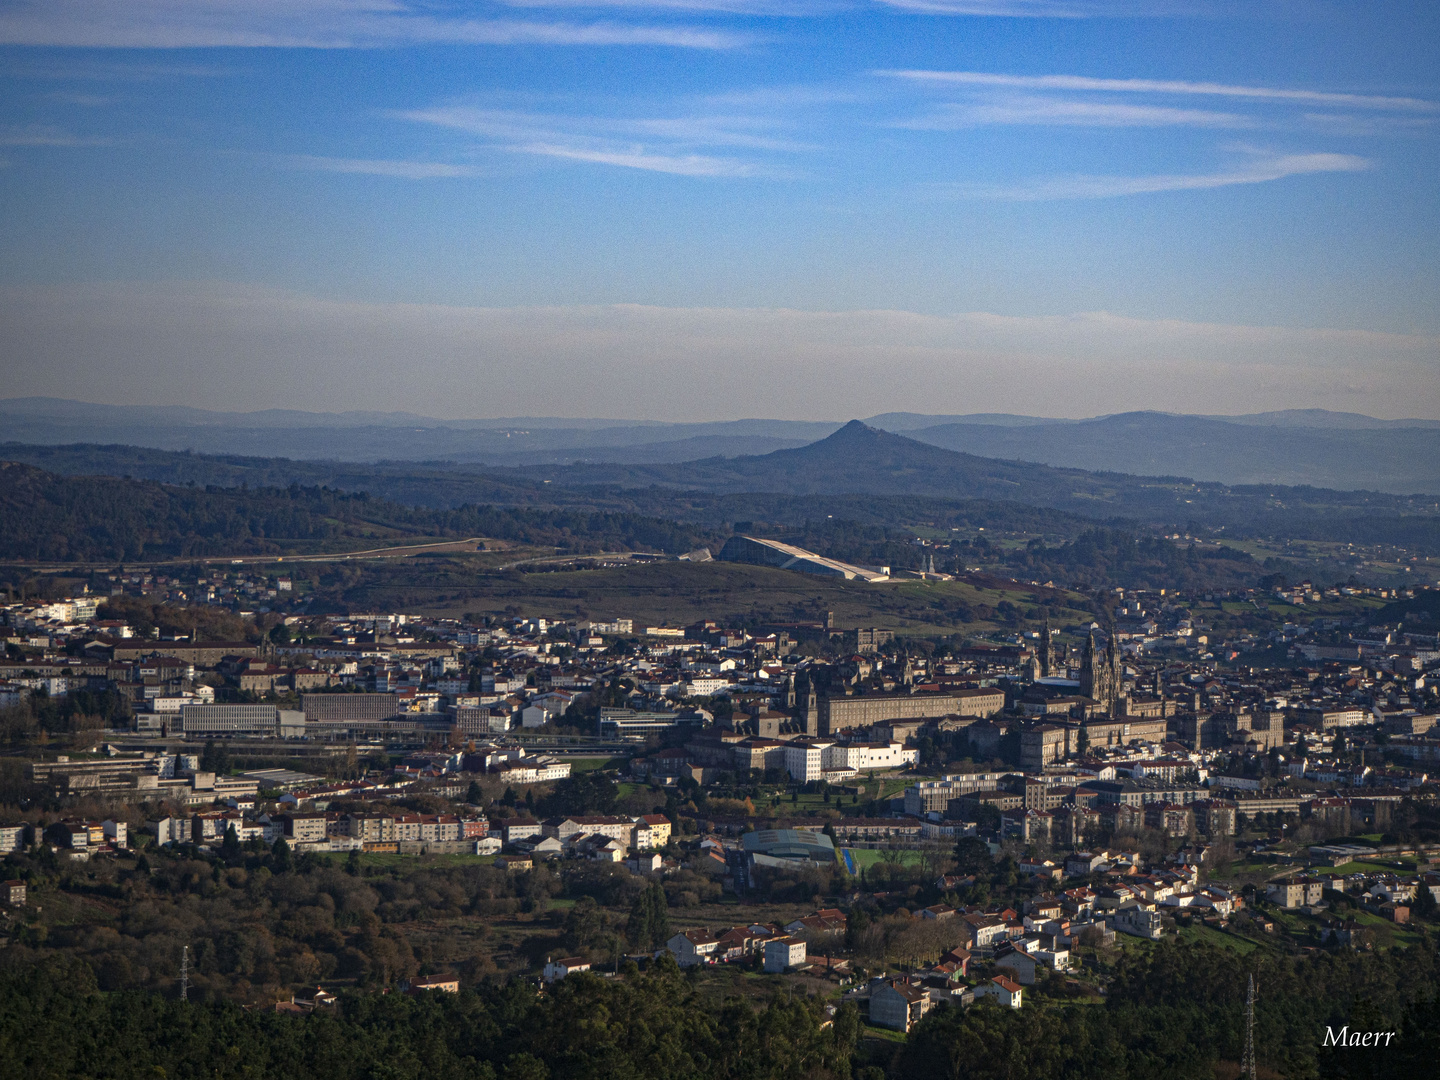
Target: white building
[
  {"x": 805, "y": 760},
  {"x": 782, "y": 953}
]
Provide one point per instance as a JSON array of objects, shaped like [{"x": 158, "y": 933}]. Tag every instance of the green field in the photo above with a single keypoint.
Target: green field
[
  {"x": 591, "y": 764},
  {"x": 1197, "y": 933},
  {"x": 869, "y": 857},
  {"x": 675, "y": 593}
]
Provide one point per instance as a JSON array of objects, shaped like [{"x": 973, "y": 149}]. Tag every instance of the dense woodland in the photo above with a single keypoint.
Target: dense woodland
[
  {"x": 1173, "y": 1011},
  {"x": 873, "y": 477},
  {"x": 46, "y": 517}
]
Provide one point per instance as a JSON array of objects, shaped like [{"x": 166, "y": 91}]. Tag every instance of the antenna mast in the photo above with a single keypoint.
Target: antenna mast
[
  {"x": 185, "y": 973},
  {"x": 1247, "y": 1065}
]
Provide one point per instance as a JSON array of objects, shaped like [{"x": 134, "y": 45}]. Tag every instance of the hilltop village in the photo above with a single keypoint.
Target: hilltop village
[{"x": 905, "y": 824}]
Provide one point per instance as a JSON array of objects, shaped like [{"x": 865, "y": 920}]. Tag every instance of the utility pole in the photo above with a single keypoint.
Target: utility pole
[
  {"x": 185, "y": 973},
  {"x": 1247, "y": 1065}
]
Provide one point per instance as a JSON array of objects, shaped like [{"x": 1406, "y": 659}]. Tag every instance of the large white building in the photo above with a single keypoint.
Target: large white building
[{"x": 820, "y": 759}]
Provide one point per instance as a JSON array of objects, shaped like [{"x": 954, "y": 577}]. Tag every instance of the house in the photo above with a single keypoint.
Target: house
[
  {"x": 14, "y": 893},
  {"x": 513, "y": 830},
  {"x": 657, "y": 827},
  {"x": 1138, "y": 922},
  {"x": 608, "y": 851},
  {"x": 937, "y": 911},
  {"x": 737, "y": 944},
  {"x": 1020, "y": 965},
  {"x": 543, "y": 847},
  {"x": 1006, "y": 991},
  {"x": 693, "y": 947},
  {"x": 646, "y": 862},
  {"x": 984, "y": 930},
  {"x": 1083, "y": 863},
  {"x": 783, "y": 953},
  {"x": 1295, "y": 892},
  {"x": 960, "y": 958},
  {"x": 898, "y": 1005},
  {"x": 1396, "y": 913},
  {"x": 556, "y": 970},
  {"x": 171, "y": 830},
  {"x": 448, "y": 983},
  {"x": 320, "y": 999},
  {"x": 824, "y": 921}
]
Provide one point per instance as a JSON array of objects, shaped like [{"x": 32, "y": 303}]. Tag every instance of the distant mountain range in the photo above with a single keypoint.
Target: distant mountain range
[
  {"x": 1343, "y": 451},
  {"x": 860, "y": 472}
]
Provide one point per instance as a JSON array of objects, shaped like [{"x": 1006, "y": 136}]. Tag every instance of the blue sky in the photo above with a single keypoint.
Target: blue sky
[{"x": 667, "y": 209}]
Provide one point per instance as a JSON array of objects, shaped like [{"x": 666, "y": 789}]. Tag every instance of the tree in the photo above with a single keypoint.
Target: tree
[
  {"x": 215, "y": 758},
  {"x": 972, "y": 856},
  {"x": 230, "y": 845},
  {"x": 473, "y": 794},
  {"x": 280, "y": 851},
  {"x": 1424, "y": 905},
  {"x": 649, "y": 924}
]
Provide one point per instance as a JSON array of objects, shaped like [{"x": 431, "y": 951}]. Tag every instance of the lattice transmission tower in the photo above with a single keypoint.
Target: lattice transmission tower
[{"x": 1247, "y": 1065}]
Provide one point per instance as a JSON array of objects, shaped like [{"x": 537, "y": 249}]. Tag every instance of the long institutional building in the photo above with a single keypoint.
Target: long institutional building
[
  {"x": 345, "y": 716},
  {"x": 837, "y": 714}
]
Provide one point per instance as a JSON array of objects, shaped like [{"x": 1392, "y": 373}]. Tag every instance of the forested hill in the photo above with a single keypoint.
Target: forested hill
[
  {"x": 861, "y": 459},
  {"x": 51, "y": 518},
  {"x": 840, "y": 476},
  {"x": 1175, "y": 1012}
]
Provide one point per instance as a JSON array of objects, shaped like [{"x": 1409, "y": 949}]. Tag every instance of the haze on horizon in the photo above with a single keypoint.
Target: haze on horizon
[{"x": 714, "y": 209}]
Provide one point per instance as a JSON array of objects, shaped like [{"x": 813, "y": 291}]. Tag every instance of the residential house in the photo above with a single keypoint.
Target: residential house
[
  {"x": 1139, "y": 922},
  {"x": 1020, "y": 964},
  {"x": 555, "y": 970},
  {"x": 783, "y": 953},
  {"x": 693, "y": 947},
  {"x": 1004, "y": 990},
  {"x": 897, "y": 1004},
  {"x": 1295, "y": 892},
  {"x": 447, "y": 983}
]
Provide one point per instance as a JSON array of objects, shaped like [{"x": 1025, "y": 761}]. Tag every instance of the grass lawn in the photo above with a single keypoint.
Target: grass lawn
[
  {"x": 870, "y": 1031},
  {"x": 591, "y": 764},
  {"x": 680, "y": 593},
  {"x": 1198, "y": 933},
  {"x": 869, "y": 857}
]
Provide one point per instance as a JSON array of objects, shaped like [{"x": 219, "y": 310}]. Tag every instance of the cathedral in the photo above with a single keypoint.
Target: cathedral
[{"x": 1100, "y": 677}]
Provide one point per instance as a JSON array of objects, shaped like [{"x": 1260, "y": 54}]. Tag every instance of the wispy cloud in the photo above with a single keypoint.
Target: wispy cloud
[
  {"x": 1260, "y": 171},
  {"x": 315, "y": 24},
  {"x": 672, "y": 145},
  {"x": 688, "y": 165},
  {"x": 40, "y": 135},
  {"x": 1163, "y": 86},
  {"x": 1049, "y": 9},
  {"x": 773, "y": 8},
  {"x": 1056, "y": 111},
  {"x": 402, "y": 170}
]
